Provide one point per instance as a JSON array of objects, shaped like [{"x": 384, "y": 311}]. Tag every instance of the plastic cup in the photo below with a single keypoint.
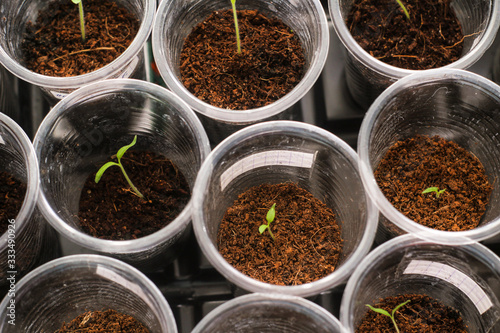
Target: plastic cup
[
  {"x": 89, "y": 126},
  {"x": 176, "y": 18},
  {"x": 463, "y": 277},
  {"x": 269, "y": 313},
  {"x": 29, "y": 240},
  {"x": 64, "y": 288},
  {"x": 367, "y": 77},
  {"x": 457, "y": 105},
  {"x": 285, "y": 151},
  {"x": 17, "y": 13}
]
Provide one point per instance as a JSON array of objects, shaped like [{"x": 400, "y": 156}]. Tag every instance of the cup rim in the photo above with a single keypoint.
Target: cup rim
[
  {"x": 113, "y": 246},
  {"x": 392, "y": 246},
  {"x": 367, "y": 173},
  {"x": 232, "y": 274},
  {"x": 32, "y": 177},
  {"x": 240, "y": 116},
  {"x": 161, "y": 306},
  {"x": 487, "y": 39},
  {"x": 256, "y": 298},
  {"x": 73, "y": 82}
]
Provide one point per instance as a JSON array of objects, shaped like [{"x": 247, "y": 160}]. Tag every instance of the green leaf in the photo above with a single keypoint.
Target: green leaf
[
  {"x": 381, "y": 311},
  {"x": 122, "y": 150},
  {"x": 271, "y": 214},
  {"x": 101, "y": 171},
  {"x": 400, "y": 305},
  {"x": 76, "y": 2},
  {"x": 430, "y": 189},
  {"x": 263, "y": 228}
]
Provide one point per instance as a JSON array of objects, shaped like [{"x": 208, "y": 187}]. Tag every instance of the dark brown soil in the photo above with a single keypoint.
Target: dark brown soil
[
  {"x": 110, "y": 210},
  {"x": 12, "y": 193},
  {"x": 422, "y": 314},
  {"x": 108, "y": 321},
  {"x": 307, "y": 241},
  {"x": 415, "y": 164},
  {"x": 53, "y": 44},
  {"x": 270, "y": 65},
  {"x": 431, "y": 38}
]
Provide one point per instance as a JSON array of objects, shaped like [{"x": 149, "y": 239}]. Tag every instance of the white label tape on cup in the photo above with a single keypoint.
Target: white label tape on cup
[
  {"x": 447, "y": 273},
  {"x": 114, "y": 277},
  {"x": 1, "y": 141},
  {"x": 273, "y": 157}
]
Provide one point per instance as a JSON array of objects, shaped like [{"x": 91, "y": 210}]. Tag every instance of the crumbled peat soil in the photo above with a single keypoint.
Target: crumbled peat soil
[
  {"x": 111, "y": 210},
  {"x": 422, "y": 314},
  {"x": 12, "y": 193},
  {"x": 415, "y": 164},
  {"x": 307, "y": 241},
  {"x": 270, "y": 65},
  {"x": 107, "y": 321},
  {"x": 53, "y": 44},
  {"x": 431, "y": 38}
]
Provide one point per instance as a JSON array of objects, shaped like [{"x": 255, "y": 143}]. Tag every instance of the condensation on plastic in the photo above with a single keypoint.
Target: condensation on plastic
[
  {"x": 81, "y": 133},
  {"x": 333, "y": 177}
]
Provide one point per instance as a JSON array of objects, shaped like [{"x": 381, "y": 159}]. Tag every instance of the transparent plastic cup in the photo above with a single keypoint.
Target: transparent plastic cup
[
  {"x": 367, "y": 77},
  {"x": 285, "y": 151},
  {"x": 17, "y": 13},
  {"x": 29, "y": 240},
  {"x": 466, "y": 278},
  {"x": 65, "y": 288},
  {"x": 457, "y": 105},
  {"x": 89, "y": 126},
  {"x": 257, "y": 313},
  {"x": 176, "y": 18}
]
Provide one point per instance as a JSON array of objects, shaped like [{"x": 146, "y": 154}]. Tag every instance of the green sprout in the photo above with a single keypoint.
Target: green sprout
[
  {"x": 270, "y": 218},
  {"x": 82, "y": 17},
  {"x": 390, "y": 315},
  {"x": 403, "y": 8},
  {"x": 435, "y": 190},
  {"x": 119, "y": 155},
  {"x": 238, "y": 41}
]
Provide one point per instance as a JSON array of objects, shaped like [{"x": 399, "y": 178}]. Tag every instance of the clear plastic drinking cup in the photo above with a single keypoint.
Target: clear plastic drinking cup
[
  {"x": 65, "y": 288},
  {"x": 367, "y": 77},
  {"x": 257, "y": 313},
  {"x": 467, "y": 278},
  {"x": 276, "y": 152},
  {"x": 176, "y": 18},
  {"x": 90, "y": 125},
  {"x": 29, "y": 241},
  {"x": 457, "y": 105},
  {"x": 130, "y": 64}
]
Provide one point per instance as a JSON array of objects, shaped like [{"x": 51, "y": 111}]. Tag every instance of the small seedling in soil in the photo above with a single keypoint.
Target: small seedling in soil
[
  {"x": 403, "y": 8},
  {"x": 82, "y": 18},
  {"x": 269, "y": 218},
  {"x": 238, "y": 40},
  {"x": 119, "y": 155},
  {"x": 435, "y": 190},
  {"x": 390, "y": 315}
]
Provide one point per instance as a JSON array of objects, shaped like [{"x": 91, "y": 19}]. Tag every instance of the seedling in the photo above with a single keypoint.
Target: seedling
[
  {"x": 435, "y": 190},
  {"x": 82, "y": 17},
  {"x": 238, "y": 41},
  {"x": 403, "y": 8},
  {"x": 390, "y": 315},
  {"x": 269, "y": 218},
  {"x": 119, "y": 155}
]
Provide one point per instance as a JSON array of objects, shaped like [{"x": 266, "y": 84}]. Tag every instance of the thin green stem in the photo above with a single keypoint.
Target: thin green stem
[
  {"x": 270, "y": 233},
  {"x": 395, "y": 325},
  {"x": 236, "y": 28},
  {"x": 139, "y": 194},
  {"x": 82, "y": 20},
  {"x": 405, "y": 11}
]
